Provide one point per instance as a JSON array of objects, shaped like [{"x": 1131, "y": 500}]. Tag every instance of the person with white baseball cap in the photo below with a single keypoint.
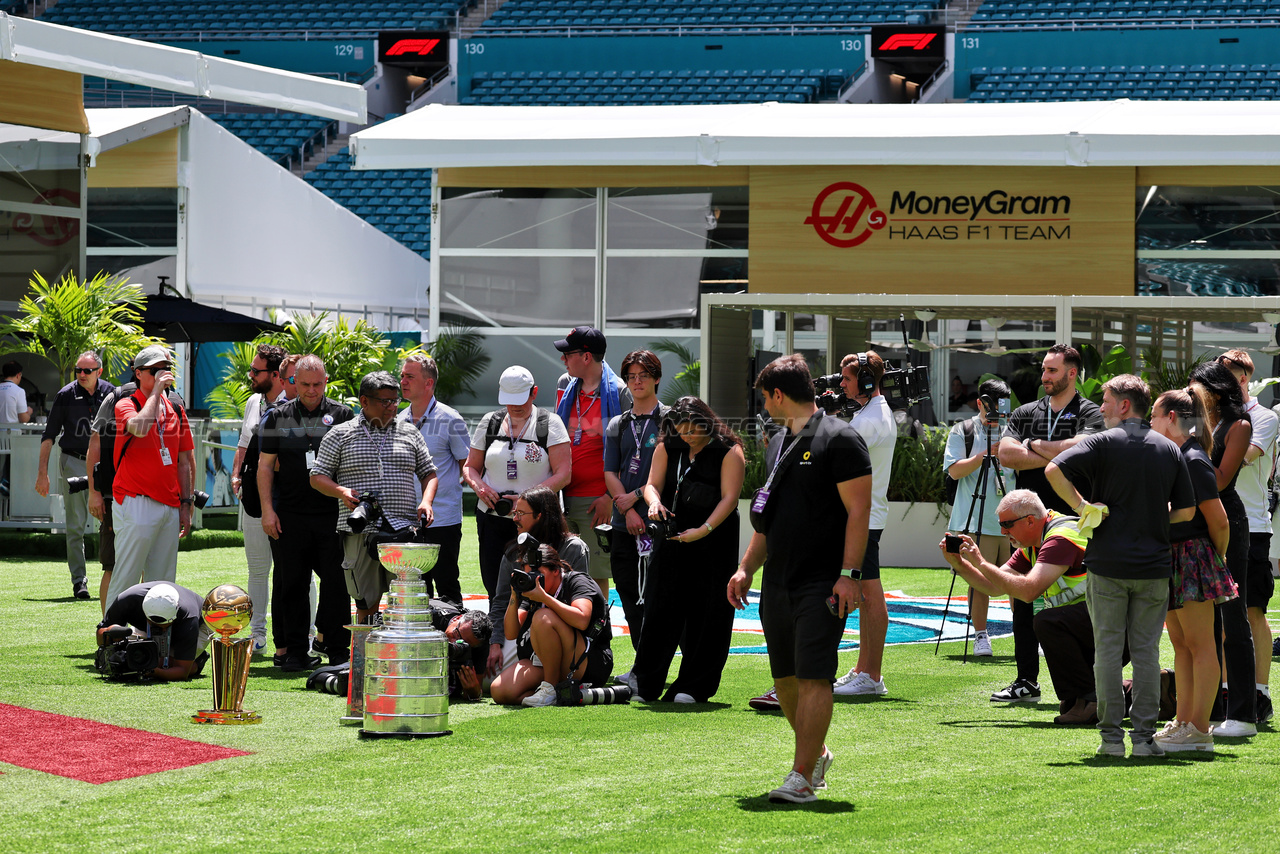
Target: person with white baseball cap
[
  {"x": 512, "y": 449},
  {"x": 168, "y": 614}
]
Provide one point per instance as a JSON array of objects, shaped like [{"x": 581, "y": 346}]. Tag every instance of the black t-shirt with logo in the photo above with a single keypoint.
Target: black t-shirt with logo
[
  {"x": 184, "y": 632},
  {"x": 1039, "y": 421},
  {"x": 291, "y": 431},
  {"x": 805, "y": 519}
]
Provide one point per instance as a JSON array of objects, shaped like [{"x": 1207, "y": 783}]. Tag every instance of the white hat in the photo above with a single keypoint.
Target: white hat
[
  {"x": 161, "y": 603},
  {"x": 513, "y": 388}
]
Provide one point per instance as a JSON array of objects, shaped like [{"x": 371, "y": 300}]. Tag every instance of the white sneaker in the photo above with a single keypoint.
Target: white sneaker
[
  {"x": 794, "y": 790},
  {"x": 259, "y": 644},
  {"x": 855, "y": 683},
  {"x": 544, "y": 696},
  {"x": 683, "y": 698},
  {"x": 981, "y": 645},
  {"x": 1234, "y": 729},
  {"x": 1185, "y": 737},
  {"x": 821, "y": 767}
]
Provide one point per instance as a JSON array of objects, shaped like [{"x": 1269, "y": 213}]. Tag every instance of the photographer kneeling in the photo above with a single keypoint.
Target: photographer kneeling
[
  {"x": 468, "y": 635},
  {"x": 561, "y": 621},
  {"x": 164, "y": 614},
  {"x": 537, "y": 513}
]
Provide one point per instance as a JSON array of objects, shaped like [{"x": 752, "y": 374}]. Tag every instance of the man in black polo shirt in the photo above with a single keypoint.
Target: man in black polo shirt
[
  {"x": 1035, "y": 434},
  {"x": 302, "y": 523},
  {"x": 168, "y": 614},
  {"x": 811, "y": 521},
  {"x": 71, "y": 414}
]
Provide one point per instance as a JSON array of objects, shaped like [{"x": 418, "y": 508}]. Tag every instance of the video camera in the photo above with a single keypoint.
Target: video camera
[
  {"x": 125, "y": 656},
  {"x": 831, "y": 399},
  {"x": 905, "y": 387}
]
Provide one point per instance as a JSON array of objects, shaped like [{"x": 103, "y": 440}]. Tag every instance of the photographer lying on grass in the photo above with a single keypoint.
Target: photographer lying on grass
[
  {"x": 167, "y": 615},
  {"x": 561, "y": 622}
]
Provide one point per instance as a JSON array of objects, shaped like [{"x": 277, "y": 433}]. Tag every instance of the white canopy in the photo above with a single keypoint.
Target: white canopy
[{"x": 1097, "y": 133}]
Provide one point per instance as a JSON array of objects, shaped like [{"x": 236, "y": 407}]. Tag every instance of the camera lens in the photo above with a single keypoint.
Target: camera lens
[
  {"x": 77, "y": 484},
  {"x": 503, "y": 506}
]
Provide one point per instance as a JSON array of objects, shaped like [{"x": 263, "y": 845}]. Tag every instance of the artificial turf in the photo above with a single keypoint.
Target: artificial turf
[{"x": 933, "y": 766}]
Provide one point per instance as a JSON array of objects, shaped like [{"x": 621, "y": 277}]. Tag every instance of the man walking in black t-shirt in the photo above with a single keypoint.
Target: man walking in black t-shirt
[
  {"x": 302, "y": 523},
  {"x": 819, "y": 484},
  {"x": 1035, "y": 434}
]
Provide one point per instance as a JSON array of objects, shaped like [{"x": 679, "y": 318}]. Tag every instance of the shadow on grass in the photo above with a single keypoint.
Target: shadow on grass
[
  {"x": 682, "y": 708},
  {"x": 56, "y": 599},
  {"x": 985, "y": 660},
  {"x": 863, "y": 699},
  {"x": 1186, "y": 757},
  {"x": 1022, "y": 724},
  {"x": 761, "y": 803}
]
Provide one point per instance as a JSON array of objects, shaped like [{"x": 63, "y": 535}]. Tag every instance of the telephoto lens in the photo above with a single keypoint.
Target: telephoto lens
[{"x": 77, "y": 484}]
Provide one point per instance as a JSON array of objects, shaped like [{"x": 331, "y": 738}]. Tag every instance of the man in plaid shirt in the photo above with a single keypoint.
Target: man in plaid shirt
[{"x": 375, "y": 453}]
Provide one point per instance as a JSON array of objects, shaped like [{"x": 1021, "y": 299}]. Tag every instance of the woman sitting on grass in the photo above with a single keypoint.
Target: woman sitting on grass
[{"x": 562, "y": 627}]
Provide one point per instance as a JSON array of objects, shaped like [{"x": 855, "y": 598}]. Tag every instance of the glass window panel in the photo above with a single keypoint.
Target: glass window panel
[
  {"x": 483, "y": 291},
  {"x": 1209, "y": 278},
  {"x": 133, "y": 217},
  {"x": 678, "y": 218},
  {"x": 1208, "y": 218},
  {"x": 57, "y": 187},
  {"x": 518, "y": 218},
  {"x": 145, "y": 270},
  {"x": 663, "y": 293},
  {"x": 48, "y": 245}
]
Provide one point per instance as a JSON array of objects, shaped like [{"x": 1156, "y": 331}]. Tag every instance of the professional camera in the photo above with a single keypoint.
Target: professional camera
[
  {"x": 334, "y": 679},
  {"x": 77, "y": 484},
  {"x": 997, "y": 408},
  {"x": 829, "y": 382},
  {"x": 199, "y": 498},
  {"x": 569, "y": 692},
  {"x": 831, "y": 399},
  {"x": 124, "y": 656},
  {"x": 906, "y": 387},
  {"x": 368, "y": 509},
  {"x": 662, "y": 529},
  {"x": 526, "y": 555},
  {"x": 459, "y": 655},
  {"x": 506, "y": 503},
  {"x": 604, "y": 537}
]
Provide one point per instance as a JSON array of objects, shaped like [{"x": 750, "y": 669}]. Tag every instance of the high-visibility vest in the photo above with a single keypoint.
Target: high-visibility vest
[{"x": 1067, "y": 589}]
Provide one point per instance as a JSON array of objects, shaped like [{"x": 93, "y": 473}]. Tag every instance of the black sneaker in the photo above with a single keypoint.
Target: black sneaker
[
  {"x": 80, "y": 589},
  {"x": 299, "y": 663},
  {"x": 1275, "y": 647},
  {"x": 1265, "y": 712},
  {"x": 197, "y": 666},
  {"x": 1021, "y": 691}
]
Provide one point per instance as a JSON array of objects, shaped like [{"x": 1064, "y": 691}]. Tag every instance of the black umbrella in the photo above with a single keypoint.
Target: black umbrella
[{"x": 176, "y": 318}]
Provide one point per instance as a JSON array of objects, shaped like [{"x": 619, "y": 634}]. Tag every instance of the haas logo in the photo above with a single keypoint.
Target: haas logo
[{"x": 838, "y": 213}]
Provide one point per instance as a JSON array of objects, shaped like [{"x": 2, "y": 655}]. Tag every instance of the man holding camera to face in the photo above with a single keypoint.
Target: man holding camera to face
[
  {"x": 1049, "y": 562},
  {"x": 167, "y": 615},
  {"x": 380, "y": 469},
  {"x": 152, "y": 488}
]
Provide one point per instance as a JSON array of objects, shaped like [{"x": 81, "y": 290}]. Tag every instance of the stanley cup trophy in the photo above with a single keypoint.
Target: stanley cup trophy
[
  {"x": 227, "y": 610},
  {"x": 406, "y": 681}
]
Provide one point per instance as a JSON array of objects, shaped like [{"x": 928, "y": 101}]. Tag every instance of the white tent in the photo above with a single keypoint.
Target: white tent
[{"x": 1116, "y": 133}]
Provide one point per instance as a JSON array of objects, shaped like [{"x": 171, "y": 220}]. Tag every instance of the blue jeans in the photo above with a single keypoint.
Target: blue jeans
[{"x": 1135, "y": 607}]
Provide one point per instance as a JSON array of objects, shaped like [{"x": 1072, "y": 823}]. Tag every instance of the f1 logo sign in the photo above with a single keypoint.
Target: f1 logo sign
[
  {"x": 839, "y": 209},
  {"x": 902, "y": 41},
  {"x": 418, "y": 47}
]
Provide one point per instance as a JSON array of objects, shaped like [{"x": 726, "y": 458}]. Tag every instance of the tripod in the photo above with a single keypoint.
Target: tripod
[{"x": 990, "y": 463}]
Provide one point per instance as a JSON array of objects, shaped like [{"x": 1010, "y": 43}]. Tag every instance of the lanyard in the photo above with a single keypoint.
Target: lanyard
[
  {"x": 430, "y": 409},
  {"x": 1053, "y": 425},
  {"x": 512, "y": 438},
  {"x": 636, "y": 434},
  {"x": 782, "y": 455},
  {"x": 382, "y": 443}
]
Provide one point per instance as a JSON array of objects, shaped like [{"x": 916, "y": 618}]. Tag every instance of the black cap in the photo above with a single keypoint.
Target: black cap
[{"x": 582, "y": 338}]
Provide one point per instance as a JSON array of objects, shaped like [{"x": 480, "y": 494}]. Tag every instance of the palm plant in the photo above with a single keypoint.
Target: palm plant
[
  {"x": 460, "y": 357},
  {"x": 64, "y": 319},
  {"x": 684, "y": 381}
]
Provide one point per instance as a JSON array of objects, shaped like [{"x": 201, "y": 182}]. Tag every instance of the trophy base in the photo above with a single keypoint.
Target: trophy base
[
  {"x": 221, "y": 716},
  {"x": 364, "y": 733},
  {"x": 352, "y": 720}
]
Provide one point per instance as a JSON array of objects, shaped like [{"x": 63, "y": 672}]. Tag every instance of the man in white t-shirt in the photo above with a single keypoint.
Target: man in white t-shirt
[
  {"x": 512, "y": 449},
  {"x": 13, "y": 409},
  {"x": 860, "y": 380},
  {"x": 1258, "y": 585}
]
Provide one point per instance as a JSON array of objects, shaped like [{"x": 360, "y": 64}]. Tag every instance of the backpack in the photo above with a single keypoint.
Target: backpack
[
  {"x": 950, "y": 483},
  {"x": 541, "y": 428}
]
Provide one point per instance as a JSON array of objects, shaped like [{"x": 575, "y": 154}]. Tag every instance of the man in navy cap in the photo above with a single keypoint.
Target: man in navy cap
[{"x": 589, "y": 394}]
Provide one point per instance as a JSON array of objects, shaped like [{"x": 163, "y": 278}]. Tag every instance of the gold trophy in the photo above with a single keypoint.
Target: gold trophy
[{"x": 227, "y": 609}]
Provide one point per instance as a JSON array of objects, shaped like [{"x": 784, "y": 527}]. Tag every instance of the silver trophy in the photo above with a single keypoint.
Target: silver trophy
[{"x": 406, "y": 679}]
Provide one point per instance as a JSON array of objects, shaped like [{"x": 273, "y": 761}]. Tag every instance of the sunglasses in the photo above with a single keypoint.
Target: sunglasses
[
  {"x": 85, "y": 370},
  {"x": 1007, "y": 524},
  {"x": 155, "y": 369},
  {"x": 253, "y": 372}
]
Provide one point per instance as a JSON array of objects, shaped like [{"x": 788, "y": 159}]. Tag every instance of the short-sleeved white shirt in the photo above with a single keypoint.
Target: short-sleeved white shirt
[
  {"x": 533, "y": 465},
  {"x": 1251, "y": 484},
  {"x": 13, "y": 402},
  {"x": 877, "y": 427}
]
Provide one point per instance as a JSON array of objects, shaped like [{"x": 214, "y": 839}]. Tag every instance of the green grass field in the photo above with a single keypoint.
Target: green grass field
[{"x": 932, "y": 767}]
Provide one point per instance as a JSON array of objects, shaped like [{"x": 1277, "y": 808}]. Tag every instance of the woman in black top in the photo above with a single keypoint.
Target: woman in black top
[
  {"x": 1232, "y": 431},
  {"x": 694, "y": 481},
  {"x": 1200, "y": 578}
]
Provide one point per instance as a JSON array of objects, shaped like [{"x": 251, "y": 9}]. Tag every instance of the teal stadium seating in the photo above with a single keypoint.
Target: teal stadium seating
[
  {"x": 396, "y": 202},
  {"x": 663, "y": 86},
  {"x": 1076, "y": 14},
  {"x": 1003, "y": 84}
]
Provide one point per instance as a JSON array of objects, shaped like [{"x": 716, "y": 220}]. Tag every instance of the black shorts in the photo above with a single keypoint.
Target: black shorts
[
  {"x": 803, "y": 637},
  {"x": 1258, "y": 583},
  {"x": 871, "y": 560}
]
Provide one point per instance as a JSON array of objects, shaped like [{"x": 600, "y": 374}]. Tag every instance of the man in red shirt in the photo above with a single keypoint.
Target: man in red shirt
[
  {"x": 589, "y": 395},
  {"x": 152, "y": 491}
]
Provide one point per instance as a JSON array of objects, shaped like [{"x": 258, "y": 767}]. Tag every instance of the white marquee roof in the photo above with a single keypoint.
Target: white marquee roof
[{"x": 1098, "y": 133}]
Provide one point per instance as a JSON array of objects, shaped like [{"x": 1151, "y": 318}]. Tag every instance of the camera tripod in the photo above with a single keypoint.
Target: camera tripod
[{"x": 990, "y": 463}]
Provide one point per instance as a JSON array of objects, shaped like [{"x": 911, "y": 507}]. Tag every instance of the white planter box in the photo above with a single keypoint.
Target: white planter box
[{"x": 911, "y": 535}]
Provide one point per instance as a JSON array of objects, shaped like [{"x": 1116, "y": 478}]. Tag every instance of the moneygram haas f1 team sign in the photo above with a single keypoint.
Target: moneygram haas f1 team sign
[{"x": 889, "y": 229}]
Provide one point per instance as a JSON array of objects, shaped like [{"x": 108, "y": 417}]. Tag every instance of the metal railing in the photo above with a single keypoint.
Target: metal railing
[
  {"x": 933, "y": 78},
  {"x": 852, "y": 81}
]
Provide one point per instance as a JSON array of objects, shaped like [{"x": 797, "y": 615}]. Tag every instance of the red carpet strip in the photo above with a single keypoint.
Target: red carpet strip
[{"x": 94, "y": 752}]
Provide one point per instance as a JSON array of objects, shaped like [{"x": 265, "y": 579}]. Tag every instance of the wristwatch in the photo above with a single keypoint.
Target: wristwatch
[
  {"x": 850, "y": 572},
  {"x": 185, "y": 501}
]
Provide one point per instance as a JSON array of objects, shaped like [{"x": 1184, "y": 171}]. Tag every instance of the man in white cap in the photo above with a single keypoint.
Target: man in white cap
[
  {"x": 166, "y": 613},
  {"x": 152, "y": 490},
  {"x": 512, "y": 449}
]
